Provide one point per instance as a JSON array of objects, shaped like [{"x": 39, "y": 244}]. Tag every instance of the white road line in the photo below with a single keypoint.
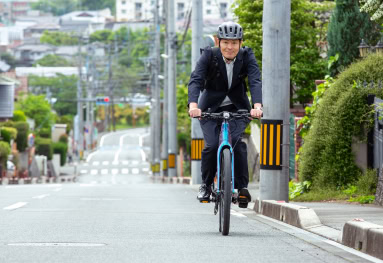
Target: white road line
[
  {"x": 114, "y": 171},
  {"x": 141, "y": 143},
  {"x": 145, "y": 169},
  {"x": 135, "y": 171},
  {"x": 235, "y": 213},
  {"x": 115, "y": 163},
  {"x": 40, "y": 196},
  {"x": 124, "y": 171},
  {"x": 135, "y": 162},
  {"x": 83, "y": 171},
  {"x": 125, "y": 162},
  {"x": 94, "y": 172},
  {"x": 57, "y": 190},
  {"x": 120, "y": 149},
  {"x": 105, "y": 163},
  {"x": 96, "y": 163},
  {"x": 90, "y": 156},
  {"x": 104, "y": 171},
  {"x": 15, "y": 206}
]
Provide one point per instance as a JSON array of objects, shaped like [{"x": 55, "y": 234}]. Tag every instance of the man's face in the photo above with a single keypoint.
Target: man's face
[{"x": 230, "y": 47}]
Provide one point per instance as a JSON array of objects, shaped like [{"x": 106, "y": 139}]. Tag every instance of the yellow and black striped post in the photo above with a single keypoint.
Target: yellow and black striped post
[
  {"x": 164, "y": 165},
  {"x": 271, "y": 144},
  {"x": 196, "y": 149},
  {"x": 172, "y": 160}
]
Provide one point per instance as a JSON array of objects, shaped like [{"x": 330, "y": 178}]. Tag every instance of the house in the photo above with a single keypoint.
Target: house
[
  {"x": 7, "y": 94},
  {"x": 11, "y": 10},
  {"x": 30, "y": 53},
  {"x": 48, "y": 71}
]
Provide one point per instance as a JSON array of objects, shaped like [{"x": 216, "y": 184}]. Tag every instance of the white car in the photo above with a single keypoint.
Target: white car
[{"x": 10, "y": 169}]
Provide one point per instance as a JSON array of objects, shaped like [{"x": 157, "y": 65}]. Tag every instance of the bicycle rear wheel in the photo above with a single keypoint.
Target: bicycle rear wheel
[{"x": 226, "y": 192}]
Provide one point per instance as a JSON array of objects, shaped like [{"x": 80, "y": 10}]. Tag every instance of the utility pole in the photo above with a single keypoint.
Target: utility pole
[
  {"x": 157, "y": 109},
  {"x": 172, "y": 100},
  {"x": 107, "y": 107},
  {"x": 164, "y": 152},
  {"x": 274, "y": 156},
  {"x": 196, "y": 132},
  {"x": 80, "y": 138}
]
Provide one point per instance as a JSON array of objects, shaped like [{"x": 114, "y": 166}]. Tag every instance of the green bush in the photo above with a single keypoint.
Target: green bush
[
  {"x": 342, "y": 117},
  {"x": 22, "y": 135},
  {"x": 5, "y": 150},
  {"x": 61, "y": 148},
  {"x": 44, "y": 147},
  {"x": 45, "y": 133},
  {"x": 63, "y": 138},
  {"x": 19, "y": 115},
  {"x": 367, "y": 183}
]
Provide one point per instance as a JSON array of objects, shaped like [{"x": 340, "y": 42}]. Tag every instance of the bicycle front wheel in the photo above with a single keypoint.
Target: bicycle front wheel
[{"x": 226, "y": 192}]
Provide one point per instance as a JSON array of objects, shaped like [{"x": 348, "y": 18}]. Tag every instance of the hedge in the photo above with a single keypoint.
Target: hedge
[
  {"x": 22, "y": 135},
  {"x": 61, "y": 148},
  {"x": 8, "y": 133},
  {"x": 44, "y": 147},
  {"x": 5, "y": 150},
  {"x": 342, "y": 117}
]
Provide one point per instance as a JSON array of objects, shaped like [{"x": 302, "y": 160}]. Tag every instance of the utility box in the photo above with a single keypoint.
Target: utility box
[
  {"x": 7, "y": 94},
  {"x": 57, "y": 131},
  {"x": 42, "y": 162}
]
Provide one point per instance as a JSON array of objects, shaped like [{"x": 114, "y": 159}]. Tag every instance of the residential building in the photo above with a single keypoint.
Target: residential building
[
  {"x": 10, "y": 10},
  {"x": 214, "y": 11},
  {"x": 30, "y": 53}
]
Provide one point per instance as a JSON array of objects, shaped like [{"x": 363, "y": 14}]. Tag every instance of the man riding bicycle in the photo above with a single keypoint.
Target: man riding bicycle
[{"x": 220, "y": 74}]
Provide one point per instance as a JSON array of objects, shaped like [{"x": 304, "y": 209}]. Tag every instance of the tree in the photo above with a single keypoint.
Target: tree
[
  {"x": 58, "y": 38},
  {"x": 348, "y": 26},
  {"x": 306, "y": 64},
  {"x": 38, "y": 109},
  {"x": 51, "y": 60},
  {"x": 9, "y": 59},
  {"x": 374, "y": 8},
  {"x": 56, "y": 7}
]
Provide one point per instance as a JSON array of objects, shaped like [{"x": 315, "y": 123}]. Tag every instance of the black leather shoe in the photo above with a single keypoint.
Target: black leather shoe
[
  {"x": 244, "y": 198},
  {"x": 204, "y": 192}
]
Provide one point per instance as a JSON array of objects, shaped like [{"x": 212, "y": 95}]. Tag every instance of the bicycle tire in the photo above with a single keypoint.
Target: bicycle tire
[{"x": 226, "y": 196}]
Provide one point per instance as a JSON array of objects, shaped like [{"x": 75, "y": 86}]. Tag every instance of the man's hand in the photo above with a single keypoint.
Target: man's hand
[
  {"x": 257, "y": 111},
  {"x": 193, "y": 110}
]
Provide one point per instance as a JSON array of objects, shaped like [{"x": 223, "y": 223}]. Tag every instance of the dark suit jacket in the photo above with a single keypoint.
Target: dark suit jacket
[{"x": 216, "y": 89}]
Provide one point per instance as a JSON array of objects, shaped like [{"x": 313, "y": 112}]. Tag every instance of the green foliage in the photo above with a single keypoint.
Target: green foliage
[
  {"x": 57, "y": 38},
  {"x": 45, "y": 133},
  {"x": 306, "y": 64},
  {"x": 62, "y": 87},
  {"x": 19, "y": 115},
  {"x": 51, "y": 60},
  {"x": 374, "y": 8},
  {"x": 367, "y": 183},
  {"x": 5, "y": 150},
  {"x": 61, "y": 148},
  {"x": 44, "y": 147},
  {"x": 298, "y": 188},
  {"x": 61, "y": 7},
  {"x": 66, "y": 119},
  {"x": 38, "y": 109},
  {"x": 63, "y": 138},
  {"x": 342, "y": 117},
  {"x": 8, "y": 58},
  {"x": 348, "y": 26},
  {"x": 22, "y": 135},
  {"x": 105, "y": 35},
  {"x": 8, "y": 134},
  {"x": 364, "y": 199}
]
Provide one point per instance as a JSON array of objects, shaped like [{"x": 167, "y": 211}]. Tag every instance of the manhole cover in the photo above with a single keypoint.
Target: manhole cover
[{"x": 57, "y": 244}]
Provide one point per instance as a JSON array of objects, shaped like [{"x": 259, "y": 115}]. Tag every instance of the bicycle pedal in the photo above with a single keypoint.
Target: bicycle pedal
[
  {"x": 204, "y": 201},
  {"x": 242, "y": 201}
]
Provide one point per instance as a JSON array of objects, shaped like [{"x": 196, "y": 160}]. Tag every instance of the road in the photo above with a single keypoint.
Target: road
[{"x": 116, "y": 213}]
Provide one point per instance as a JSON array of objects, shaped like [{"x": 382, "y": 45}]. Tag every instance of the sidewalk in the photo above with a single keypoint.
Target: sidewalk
[{"x": 354, "y": 225}]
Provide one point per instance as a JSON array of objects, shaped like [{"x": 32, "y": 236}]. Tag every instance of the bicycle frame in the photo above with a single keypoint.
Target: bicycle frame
[{"x": 225, "y": 144}]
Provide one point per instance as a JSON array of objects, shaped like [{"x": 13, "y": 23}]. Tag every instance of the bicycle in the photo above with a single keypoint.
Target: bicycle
[{"x": 223, "y": 195}]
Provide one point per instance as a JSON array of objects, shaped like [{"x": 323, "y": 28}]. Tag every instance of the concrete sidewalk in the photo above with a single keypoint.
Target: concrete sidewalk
[{"x": 355, "y": 225}]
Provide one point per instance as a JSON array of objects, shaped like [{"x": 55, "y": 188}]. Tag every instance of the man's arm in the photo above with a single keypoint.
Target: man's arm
[
  {"x": 255, "y": 84},
  {"x": 197, "y": 81}
]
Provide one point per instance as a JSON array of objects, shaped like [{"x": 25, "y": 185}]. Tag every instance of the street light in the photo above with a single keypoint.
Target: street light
[{"x": 364, "y": 49}]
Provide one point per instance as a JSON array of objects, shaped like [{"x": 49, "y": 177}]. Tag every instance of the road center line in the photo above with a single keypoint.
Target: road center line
[
  {"x": 120, "y": 149},
  {"x": 15, "y": 206},
  {"x": 40, "y": 196}
]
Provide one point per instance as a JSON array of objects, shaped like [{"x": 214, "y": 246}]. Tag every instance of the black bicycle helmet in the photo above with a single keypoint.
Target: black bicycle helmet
[{"x": 230, "y": 30}]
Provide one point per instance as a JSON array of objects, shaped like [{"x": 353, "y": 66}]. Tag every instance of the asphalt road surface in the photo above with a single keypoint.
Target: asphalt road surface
[{"x": 116, "y": 213}]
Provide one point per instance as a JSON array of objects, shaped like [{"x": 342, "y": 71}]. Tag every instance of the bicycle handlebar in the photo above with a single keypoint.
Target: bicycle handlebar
[{"x": 225, "y": 115}]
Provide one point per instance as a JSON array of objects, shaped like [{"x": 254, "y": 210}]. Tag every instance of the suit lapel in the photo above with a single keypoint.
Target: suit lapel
[
  {"x": 237, "y": 67},
  {"x": 222, "y": 68}
]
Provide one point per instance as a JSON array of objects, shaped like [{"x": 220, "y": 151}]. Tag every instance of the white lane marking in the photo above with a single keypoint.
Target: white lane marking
[
  {"x": 105, "y": 163},
  {"x": 145, "y": 169},
  {"x": 124, "y": 171},
  {"x": 103, "y": 138},
  {"x": 83, "y": 171},
  {"x": 94, "y": 172},
  {"x": 40, "y": 196},
  {"x": 115, "y": 163},
  {"x": 33, "y": 185},
  {"x": 15, "y": 206},
  {"x": 235, "y": 213},
  {"x": 135, "y": 162},
  {"x": 104, "y": 171},
  {"x": 101, "y": 199},
  {"x": 141, "y": 143},
  {"x": 125, "y": 162},
  {"x": 96, "y": 163},
  {"x": 90, "y": 156},
  {"x": 86, "y": 164},
  {"x": 120, "y": 149},
  {"x": 57, "y": 190},
  {"x": 135, "y": 171},
  {"x": 114, "y": 171}
]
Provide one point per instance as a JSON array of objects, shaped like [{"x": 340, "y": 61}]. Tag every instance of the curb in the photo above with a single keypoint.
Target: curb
[
  {"x": 38, "y": 180},
  {"x": 171, "y": 180},
  {"x": 358, "y": 234}
]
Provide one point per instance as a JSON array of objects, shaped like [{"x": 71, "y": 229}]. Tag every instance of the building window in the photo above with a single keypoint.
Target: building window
[
  {"x": 223, "y": 6},
  {"x": 208, "y": 2},
  {"x": 123, "y": 2},
  {"x": 138, "y": 6},
  {"x": 123, "y": 11},
  {"x": 208, "y": 11},
  {"x": 181, "y": 15},
  {"x": 180, "y": 6}
]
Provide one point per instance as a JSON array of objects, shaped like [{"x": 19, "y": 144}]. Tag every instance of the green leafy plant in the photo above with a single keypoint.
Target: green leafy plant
[
  {"x": 365, "y": 199},
  {"x": 61, "y": 148},
  {"x": 298, "y": 188}
]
